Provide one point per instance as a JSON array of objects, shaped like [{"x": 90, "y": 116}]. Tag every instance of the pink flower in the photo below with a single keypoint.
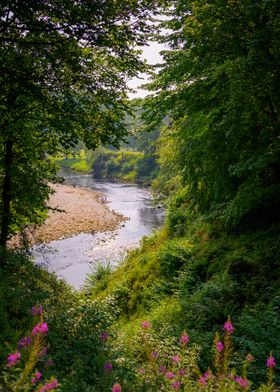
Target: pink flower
[
  {"x": 13, "y": 359},
  {"x": 40, "y": 328},
  {"x": 145, "y": 324},
  {"x": 24, "y": 342},
  {"x": 202, "y": 380},
  {"x": 176, "y": 359},
  {"x": 104, "y": 336},
  {"x": 117, "y": 388},
  {"x": 155, "y": 354},
  {"x": 162, "y": 369},
  {"x": 48, "y": 387},
  {"x": 176, "y": 385},
  {"x": 182, "y": 372},
  {"x": 36, "y": 378},
  {"x": 242, "y": 382},
  {"x": 141, "y": 371},
  {"x": 219, "y": 346},
  {"x": 184, "y": 339},
  {"x": 38, "y": 375},
  {"x": 270, "y": 362},
  {"x": 37, "y": 309},
  {"x": 169, "y": 375},
  {"x": 250, "y": 358},
  {"x": 108, "y": 367},
  {"x": 228, "y": 327}
]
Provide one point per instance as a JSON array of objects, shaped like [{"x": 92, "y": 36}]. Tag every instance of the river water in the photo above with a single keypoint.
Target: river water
[{"x": 73, "y": 258}]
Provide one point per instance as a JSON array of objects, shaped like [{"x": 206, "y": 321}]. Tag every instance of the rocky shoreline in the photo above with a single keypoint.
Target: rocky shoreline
[{"x": 72, "y": 211}]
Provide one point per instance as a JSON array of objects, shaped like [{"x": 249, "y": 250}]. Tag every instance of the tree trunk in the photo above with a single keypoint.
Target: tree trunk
[{"x": 6, "y": 194}]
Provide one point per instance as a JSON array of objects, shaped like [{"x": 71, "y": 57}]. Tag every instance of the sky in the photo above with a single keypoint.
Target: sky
[{"x": 151, "y": 54}]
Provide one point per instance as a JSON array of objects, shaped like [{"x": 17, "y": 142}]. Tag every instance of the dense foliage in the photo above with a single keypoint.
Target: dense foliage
[
  {"x": 63, "y": 73},
  {"x": 219, "y": 85},
  {"x": 149, "y": 325}
]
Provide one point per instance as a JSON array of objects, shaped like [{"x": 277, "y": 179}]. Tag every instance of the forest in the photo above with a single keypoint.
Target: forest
[{"x": 195, "y": 307}]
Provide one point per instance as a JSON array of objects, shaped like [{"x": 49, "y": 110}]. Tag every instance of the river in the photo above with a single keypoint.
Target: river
[{"x": 73, "y": 258}]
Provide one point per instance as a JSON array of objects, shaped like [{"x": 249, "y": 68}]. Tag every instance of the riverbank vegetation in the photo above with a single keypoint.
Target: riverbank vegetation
[{"x": 196, "y": 307}]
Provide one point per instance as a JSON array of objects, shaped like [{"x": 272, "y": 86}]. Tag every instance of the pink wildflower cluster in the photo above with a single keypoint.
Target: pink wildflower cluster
[
  {"x": 228, "y": 327},
  {"x": 37, "y": 310},
  {"x": 116, "y": 388},
  {"x": 13, "y": 359},
  {"x": 169, "y": 375},
  {"x": 242, "y": 382},
  {"x": 220, "y": 346},
  {"x": 176, "y": 358},
  {"x": 145, "y": 324},
  {"x": 49, "y": 386},
  {"x": 184, "y": 339},
  {"x": 203, "y": 379},
  {"x": 270, "y": 362},
  {"x": 176, "y": 385},
  {"x": 40, "y": 328},
  {"x": 108, "y": 367},
  {"x": 24, "y": 342},
  {"x": 36, "y": 377},
  {"x": 104, "y": 336}
]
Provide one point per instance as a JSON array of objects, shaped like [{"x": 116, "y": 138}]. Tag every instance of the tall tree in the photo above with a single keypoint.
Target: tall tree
[
  {"x": 63, "y": 72},
  {"x": 220, "y": 86}
]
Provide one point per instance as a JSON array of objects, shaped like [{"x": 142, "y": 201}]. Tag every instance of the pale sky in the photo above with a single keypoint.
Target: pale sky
[{"x": 151, "y": 54}]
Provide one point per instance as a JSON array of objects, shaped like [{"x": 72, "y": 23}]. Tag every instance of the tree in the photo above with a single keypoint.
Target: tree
[
  {"x": 63, "y": 72},
  {"x": 220, "y": 86}
]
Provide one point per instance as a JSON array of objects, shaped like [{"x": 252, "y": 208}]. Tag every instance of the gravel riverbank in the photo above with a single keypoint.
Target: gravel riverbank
[{"x": 73, "y": 210}]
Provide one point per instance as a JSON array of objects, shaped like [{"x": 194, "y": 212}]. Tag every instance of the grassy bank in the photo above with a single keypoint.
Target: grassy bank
[
  {"x": 194, "y": 281},
  {"x": 124, "y": 165},
  {"x": 77, "y": 162}
]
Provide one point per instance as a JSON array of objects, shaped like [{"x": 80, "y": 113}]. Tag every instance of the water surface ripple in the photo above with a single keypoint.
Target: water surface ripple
[{"x": 72, "y": 258}]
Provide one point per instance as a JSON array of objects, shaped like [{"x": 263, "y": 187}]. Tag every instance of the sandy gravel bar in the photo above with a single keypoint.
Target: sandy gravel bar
[{"x": 77, "y": 210}]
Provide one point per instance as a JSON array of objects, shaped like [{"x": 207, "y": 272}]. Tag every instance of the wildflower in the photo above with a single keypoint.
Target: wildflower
[
  {"x": 270, "y": 362},
  {"x": 176, "y": 358},
  {"x": 108, "y": 367},
  {"x": 37, "y": 309},
  {"x": 207, "y": 374},
  {"x": 242, "y": 382},
  {"x": 155, "y": 354},
  {"x": 203, "y": 380},
  {"x": 162, "y": 369},
  {"x": 117, "y": 388},
  {"x": 40, "y": 328},
  {"x": 184, "y": 339},
  {"x": 250, "y": 358},
  {"x": 36, "y": 377},
  {"x": 176, "y": 385},
  {"x": 104, "y": 336},
  {"x": 169, "y": 375},
  {"x": 145, "y": 324},
  {"x": 141, "y": 371},
  {"x": 13, "y": 359},
  {"x": 220, "y": 346},
  {"x": 48, "y": 387},
  {"x": 24, "y": 342},
  {"x": 228, "y": 327},
  {"x": 182, "y": 372}
]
